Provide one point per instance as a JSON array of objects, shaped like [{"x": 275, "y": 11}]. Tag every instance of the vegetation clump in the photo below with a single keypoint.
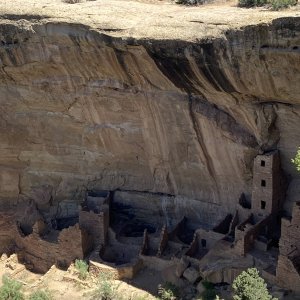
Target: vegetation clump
[
  {"x": 209, "y": 293},
  {"x": 250, "y": 286},
  {"x": 191, "y": 2},
  {"x": 71, "y": 1},
  {"x": 273, "y": 4},
  {"x": 41, "y": 295},
  {"x": 296, "y": 160},
  {"x": 11, "y": 289},
  {"x": 82, "y": 267},
  {"x": 106, "y": 290},
  {"x": 168, "y": 291},
  {"x": 252, "y": 3}
]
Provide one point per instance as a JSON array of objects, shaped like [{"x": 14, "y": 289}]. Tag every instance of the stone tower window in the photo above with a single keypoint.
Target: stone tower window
[
  {"x": 262, "y": 163},
  {"x": 203, "y": 243},
  {"x": 263, "y": 204},
  {"x": 263, "y": 183}
]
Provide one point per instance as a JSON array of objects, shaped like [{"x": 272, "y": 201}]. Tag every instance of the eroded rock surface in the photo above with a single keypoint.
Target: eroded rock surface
[
  {"x": 81, "y": 109},
  {"x": 170, "y": 124}
]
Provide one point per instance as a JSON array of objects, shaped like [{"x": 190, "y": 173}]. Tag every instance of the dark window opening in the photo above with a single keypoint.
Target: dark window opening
[
  {"x": 263, "y": 183},
  {"x": 262, "y": 163},
  {"x": 263, "y": 204},
  {"x": 203, "y": 243}
]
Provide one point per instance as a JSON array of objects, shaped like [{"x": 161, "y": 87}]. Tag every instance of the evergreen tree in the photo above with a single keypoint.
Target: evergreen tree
[
  {"x": 296, "y": 160},
  {"x": 250, "y": 286}
]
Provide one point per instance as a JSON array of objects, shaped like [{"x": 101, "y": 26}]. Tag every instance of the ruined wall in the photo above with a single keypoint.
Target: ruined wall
[
  {"x": 207, "y": 238},
  {"x": 57, "y": 248},
  {"x": 288, "y": 268},
  {"x": 96, "y": 224},
  {"x": 246, "y": 233},
  {"x": 164, "y": 238}
]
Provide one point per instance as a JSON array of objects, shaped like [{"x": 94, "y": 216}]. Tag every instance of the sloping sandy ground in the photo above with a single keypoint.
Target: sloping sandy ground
[
  {"x": 151, "y": 19},
  {"x": 64, "y": 285}
]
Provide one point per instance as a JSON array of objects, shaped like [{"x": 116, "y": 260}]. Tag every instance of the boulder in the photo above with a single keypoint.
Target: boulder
[
  {"x": 168, "y": 274},
  {"x": 200, "y": 288},
  {"x": 191, "y": 274},
  {"x": 181, "y": 266}
]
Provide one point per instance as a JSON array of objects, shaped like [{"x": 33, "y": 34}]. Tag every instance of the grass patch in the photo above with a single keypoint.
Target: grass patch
[
  {"x": 273, "y": 4},
  {"x": 106, "y": 290},
  {"x": 11, "y": 289},
  {"x": 168, "y": 291},
  {"x": 41, "y": 295},
  {"x": 83, "y": 268}
]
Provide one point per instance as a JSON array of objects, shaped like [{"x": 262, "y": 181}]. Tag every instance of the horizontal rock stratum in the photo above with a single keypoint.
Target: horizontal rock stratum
[
  {"x": 143, "y": 97},
  {"x": 147, "y": 106}
]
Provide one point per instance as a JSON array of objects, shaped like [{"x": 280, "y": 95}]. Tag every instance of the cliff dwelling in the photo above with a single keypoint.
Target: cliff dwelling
[
  {"x": 150, "y": 138},
  {"x": 118, "y": 229}
]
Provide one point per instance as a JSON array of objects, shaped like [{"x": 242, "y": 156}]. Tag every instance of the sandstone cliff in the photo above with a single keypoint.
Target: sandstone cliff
[{"x": 86, "y": 107}]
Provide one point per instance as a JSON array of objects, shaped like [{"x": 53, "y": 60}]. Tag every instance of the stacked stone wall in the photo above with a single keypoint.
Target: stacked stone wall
[
  {"x": 40, "y": 254},
  {"x": 96, "y": 224},
  {"x": 245, "y": 238},
  {"x": 288, "y": 267},
  {"x": 266, "y": 192},
  {"x": 163, "y": 242}
]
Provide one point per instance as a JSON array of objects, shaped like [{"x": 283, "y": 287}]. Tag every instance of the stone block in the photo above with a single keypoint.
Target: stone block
[
  {"x": 168, "y": 274},
  {"x": 200, "y": 288},
  {"x": 181, "y": 267},
  {"x": 191, "y": 274}
]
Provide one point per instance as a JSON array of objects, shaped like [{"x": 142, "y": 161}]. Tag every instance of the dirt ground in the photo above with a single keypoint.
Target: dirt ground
[
  {"x": 147, "y": 19},
  {"x": 65, "y": 285}
]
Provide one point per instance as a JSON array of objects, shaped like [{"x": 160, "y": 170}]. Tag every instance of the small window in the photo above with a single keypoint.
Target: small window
[
  {"x": 263, "y": 204},
  {"x": 262, "y": 163},
  {"x": 203, "y": 243},
  {"x": 263, "y": 183}
]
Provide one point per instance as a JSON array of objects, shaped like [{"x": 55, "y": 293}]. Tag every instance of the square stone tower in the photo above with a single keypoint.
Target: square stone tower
[{"x": 266, "y": 192}]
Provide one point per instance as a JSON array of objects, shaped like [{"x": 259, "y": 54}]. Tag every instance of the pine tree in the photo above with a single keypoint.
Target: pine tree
[
  {"x": 250, "y": 286},
  {"x": 296, "y": 160}
]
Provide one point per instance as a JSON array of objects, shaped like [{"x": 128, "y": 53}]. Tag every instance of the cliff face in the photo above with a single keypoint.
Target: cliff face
[{"x": 81, "y": 109}]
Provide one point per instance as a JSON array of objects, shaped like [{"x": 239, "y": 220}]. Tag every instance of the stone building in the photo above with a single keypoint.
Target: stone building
[
  {"x": 267, "y": 187},
  {"x": 267, "y": 198},
  {"x": 94, "y": 216},
  {"x": 288, "y": 266},
  {"x": 45, "y": 247}
]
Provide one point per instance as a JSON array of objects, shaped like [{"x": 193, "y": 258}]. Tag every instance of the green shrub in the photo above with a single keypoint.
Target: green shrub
[
  {"x": 252, "y": 3},
  {"x": 280, "y": 4},
  {"x": 82, "y": 267},
  {"x": 11, "y": 289},
  {"x": 275, "y": 4},
  {"x": 296, "y": 160},
  {"x": 191, "y": 2},
  {"x": 106, "y": 290},
  {"x": 209, "y": 294},
  {"x": 250, "y": 286},
  {"x": 167, "y": 291},
  {"x": 41, "y": 295},
  {"x": 72, "y": 1},
  {"x": 208, "y": 285}
]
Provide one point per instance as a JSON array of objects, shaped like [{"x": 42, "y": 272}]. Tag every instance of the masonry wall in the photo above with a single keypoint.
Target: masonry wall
[
  {"x": 207, "y": 238},
  {"x": 266, "y": 193},
  {"x": 40, "y": 254},
  {"x": 288, "y": 267},
  {"x": 245, "y": 239},
  {"x": 96, "y": 225},
  {"x": 163, "y": 241},
  {"x": 287, "y": 275}
]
